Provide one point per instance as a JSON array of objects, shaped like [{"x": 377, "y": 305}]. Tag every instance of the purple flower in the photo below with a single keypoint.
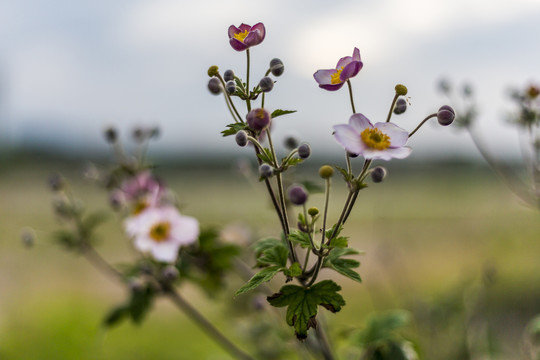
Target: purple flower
[
  {"x": 246, "y": 36},
  {"x": 258, "y": 119},
  {"x": 346, "y": 68},
  {"x": 383, "y": 140}
]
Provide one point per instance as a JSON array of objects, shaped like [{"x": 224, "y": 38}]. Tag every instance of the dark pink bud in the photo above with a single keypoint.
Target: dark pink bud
[{"x": 258, "y": 119}]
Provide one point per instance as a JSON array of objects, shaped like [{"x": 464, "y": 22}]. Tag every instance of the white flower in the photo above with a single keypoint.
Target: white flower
[{"x": 161, "y": 231}]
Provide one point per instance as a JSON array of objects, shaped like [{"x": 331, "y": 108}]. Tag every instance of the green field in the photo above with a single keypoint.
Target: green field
[{"x": 448, "y": 243}]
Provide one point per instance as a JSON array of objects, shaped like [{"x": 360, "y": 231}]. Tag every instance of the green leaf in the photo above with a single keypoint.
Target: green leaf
[
  {"x": 140, "y": 303},
  {"x": 300, "y": 238},
  {"x": 279, "y": 112},
  {"x": 346, "y": 176},
  {"x": 383, "y": 326},
  {"x": 276, "y": 255},
  {"x": 116, "y": 315},
  {"x": 67, "y": 239},
  {"x": 343, "y": 266},
  {"x": 312, "y": 187},
  {"x": 302, "y": 304},
  {"x": 233, "y": 128},
  {"x": 262, "y": 276},
  {"x": 266, "y": 156},
  {"x": 339, "y": 242},
  {"x": 260, "y": 246},
  {"x": 294, "y": 270},
  {"x": 330, "y": 231}
]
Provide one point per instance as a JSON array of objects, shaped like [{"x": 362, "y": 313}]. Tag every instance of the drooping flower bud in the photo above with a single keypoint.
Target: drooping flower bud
[
  {"x": 265, "y": 171},
  {"x": 266, "y": 84},
  {"x": 326, "y": 171},
  {"x": 277, "y": 67},
  {"x": 258, "y": 119},
  {"x": 291, "y": 142},
  {"x": 378, "y": 174},
  {"x": 304, "y": 151},
  {"x": 401, "y": 90},
  {"x": 228, "y": 75},
  {"x": 241, "y": 138},
  {"x": 213, "y": 71},
  {"x": 230, "y": 86},
  {"x": 297, "y": 194},
  {"x": 445, "y": 115},
  {"x": 401, "y": 106},
  {"x": 111, "y": 135},
  {"x": 170, "y": 273},
  {"x": 214, "y": 85}
]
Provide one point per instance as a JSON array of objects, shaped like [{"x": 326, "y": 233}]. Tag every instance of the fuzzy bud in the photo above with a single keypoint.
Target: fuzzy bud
[
  {"x": 313, "y": 211},
  {"x": 326, "y": 171},
  {"x": 228, "y": 75},
  {"x": 265, "y": 171},
  {"x": 401, "y": 106},
  {"x": 241, "y": 138},
  {"x": 170, "y": 273},
  {"x": 290, "y": 142},
  {"x": 230, "y": 86},
  {"x": 213, "y": 71},
  {"x": 351, "y": 155},
  {"x": 277, "y": 67},
  {"x": 56, "y": 182},
  {"x": 378, "y": 174},
  {"x": 214, "y": 85},
  {"x": 304, "y": 151},
  {"x": 258, "y": 119},
  {"x": 445, "y": 115},
  {"x": 401, "y": 90},
  {"x": 297, "y": 195},
  {"x": 111, "y": 135},
  {"x": 266, "y": 84}
]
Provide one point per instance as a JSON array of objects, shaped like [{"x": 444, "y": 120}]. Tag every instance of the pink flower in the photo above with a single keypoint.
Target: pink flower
[
  {"x": 246, "y": 36},
  {"x": 142, "y": 184},
  {"x": 383, "y": 140},
  {"x": 346, "y": 68},
  {"x": 161, "y": 231}
]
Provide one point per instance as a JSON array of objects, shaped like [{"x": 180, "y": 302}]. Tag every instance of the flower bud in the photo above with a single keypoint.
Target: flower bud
[
  {"x": 265, "y": 171},
  {"x": 533, "y": 91},
  {"x": 241, "y": 138},
  {"x": 228, "y": 75},
  {"x": 266, "y": 84},
  {"x": 170, "y": 273},
  {"x": 401, "y": 106},
  {"x": 378, "y": 174},
  {"x": 111, "y": 135},
  {"x": 401, "y": 90},
  {"x": 445, "y": 115},
  {"x": 467, "y": 90},
  {"x": 313, "y": 211},
  {"x": 290, "y": 142},
  {"x": 213, "y": 71},
  {"x": 352, "y": 155},
  {"x": 297, "y": 195},
  {"x": 304, "y": 151},
  {"x": 230, "y": 86},
  {"x": 56, "y": 182},
  {"x": 326, "y": 171},
  {"x": 276, "y": 67},
  {"x": 258, "y": 119},
  {"x": 214, "y": 85}
]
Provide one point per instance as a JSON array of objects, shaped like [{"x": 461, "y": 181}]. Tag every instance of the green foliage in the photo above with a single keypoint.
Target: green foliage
[
  {"x": 343, "y": 266},
  {"x": 233, "y": 128},
  {"x": 279, "y": 112},
  {"x": 276, "y": 255},
  {"x": 294, "y": 270},
  {"x": 262, "y": 276},
  {"x": 301, "y": 238},
  {"x": 302, "y": 303},
  {"x": 136, "y": 308},
  {"x": 266, "y": 156}
]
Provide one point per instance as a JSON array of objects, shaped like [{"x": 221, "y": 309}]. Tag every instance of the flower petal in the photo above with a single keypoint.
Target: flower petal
[
  {"x": 259, "y": 27},
  {"x": 350, "y": 70},
  {"x": 165, "y": 252},
  {"x": 347, "y": 136},
  {"x": 359, "y": 123},
  {"x": 243, "y": 27},
  {"x": 344, "y": 61},
  {"x": 253, "y": 38},
  {"x": 233, "y": 30},
  {"x": 237, "y": 44},
  {"x": 398, "y": 136},
  {"x": 186, "y": 230},
  {"x": 386, "y": 154},
  {"x": 324, "y": 76},
  {"x": 356, "y": 55},
  {"x": 331, "y": 87}
]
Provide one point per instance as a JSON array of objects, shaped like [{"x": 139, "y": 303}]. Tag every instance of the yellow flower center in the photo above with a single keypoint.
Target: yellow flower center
[
  {"x": 334, "y": 78},
  {"x": 241, "y": 35},
  {"x": 375, "y": 139},
  {"x": 139, "y": 207},
  {"x": 160, "y": 231}
]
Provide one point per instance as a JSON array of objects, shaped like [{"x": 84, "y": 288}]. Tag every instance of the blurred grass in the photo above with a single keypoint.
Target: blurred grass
[{"x": 434, "y": 236}]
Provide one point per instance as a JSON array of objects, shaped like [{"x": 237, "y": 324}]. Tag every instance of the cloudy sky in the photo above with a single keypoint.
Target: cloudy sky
[{"x": 68, "y": 68}]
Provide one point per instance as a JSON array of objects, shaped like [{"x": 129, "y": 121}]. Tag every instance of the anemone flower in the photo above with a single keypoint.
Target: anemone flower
[
  {"x": 346, "y": 68},
  {"x": 161, "y": 231},
  {"x": 246, "y": 36},
  {"x": 384, "y": 140}
]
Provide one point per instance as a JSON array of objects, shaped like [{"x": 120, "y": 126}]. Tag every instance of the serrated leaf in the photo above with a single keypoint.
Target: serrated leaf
[
  {"x": 262, "y": 276},
  {"x": 345, "y": 173},
  {"x": 276, "y": 255},
  {"x": 302, "y": 303},
  {"x": 343, "y": 266},
  {"x": 233, "y": 128},
  {"x": 260, "y": 246},
  {"x": 339, "y": 242},
  {"x": 140, "y": 303},
  {"x": 328, "y": 234},
  {"x": 116, "y": 315},
  {"x": 93, "y": 220},
  {"x": 266, "y": 156},
  {"x": 300, "y": 238},
  {"x": 294, "y": 270},
  {"x": 279, "y": 112}
]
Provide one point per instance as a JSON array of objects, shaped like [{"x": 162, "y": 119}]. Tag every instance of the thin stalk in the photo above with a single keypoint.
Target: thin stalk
[
  {"x": 262, "y": 100},
  {"x": 392, "y": 108},
  {"x": 323, "y": 342},
  {"x": 351, "y": 96},
  {"x": 98, "y": 262},
  {"x": 230, "y": 103},
  {"x": 205, "y": 325},
  {"x": 422, "y": 123},
  {"x": 326, "y": 201},
  {"x": 248, "y": 100}
]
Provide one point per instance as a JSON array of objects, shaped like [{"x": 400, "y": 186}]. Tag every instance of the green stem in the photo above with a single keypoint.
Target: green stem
[
  {"x": 229, "y": 102},
  {"x": 422, "y": 123},
  {"x": 248, "y": 100},
  {"x": 326, "y": 201},
  {"x": 392, "y": 108},
  {"x": 351, "y": 96}
]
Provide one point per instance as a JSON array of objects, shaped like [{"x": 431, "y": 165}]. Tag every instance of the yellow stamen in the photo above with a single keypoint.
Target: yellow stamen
[
  {"x": 241, "y": 35},
  {"x": 160, "y": 231},
  {"x": 375, "y": 139},
  {"x": 334, "y": 78}
]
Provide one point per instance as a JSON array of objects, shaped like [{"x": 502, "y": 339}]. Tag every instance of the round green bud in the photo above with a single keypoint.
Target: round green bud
[
  {"x": 401, "y": 90},
  {"x": 326, "y": 171},
  {"x": 313, "y": 211},
  {"x": 213, "y": 71}
]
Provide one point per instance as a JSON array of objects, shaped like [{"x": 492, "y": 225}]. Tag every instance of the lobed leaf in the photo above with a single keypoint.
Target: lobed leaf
[
  {"x": 262, "y": 276},
  {"x": 279, "y": 112}
]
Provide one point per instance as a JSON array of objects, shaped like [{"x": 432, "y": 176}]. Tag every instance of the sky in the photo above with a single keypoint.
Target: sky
[{"x": 69, "y": 69}]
